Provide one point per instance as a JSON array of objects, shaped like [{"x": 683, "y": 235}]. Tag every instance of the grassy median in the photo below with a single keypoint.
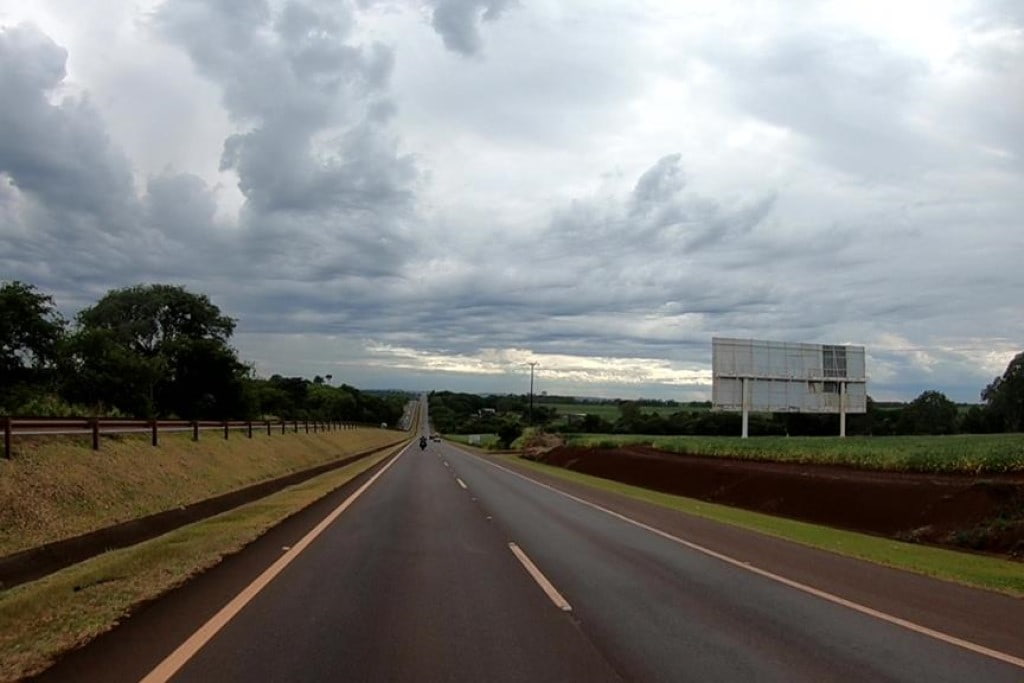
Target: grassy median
[
  {"x": 979, "y": 571},
  {"x": 39, "y": 620}
]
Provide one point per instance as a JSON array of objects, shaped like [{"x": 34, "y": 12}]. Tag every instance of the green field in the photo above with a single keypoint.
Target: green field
[
  {"x": 973, "y": 453},
  {"x": 486, "y": 440},
  {"x": 610, "y": 411}
]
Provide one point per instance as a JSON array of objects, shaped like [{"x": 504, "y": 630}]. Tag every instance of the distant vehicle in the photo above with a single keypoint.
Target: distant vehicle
[
  {"x": 423, "y": 442},
  {"x": 435, "y": 437}
]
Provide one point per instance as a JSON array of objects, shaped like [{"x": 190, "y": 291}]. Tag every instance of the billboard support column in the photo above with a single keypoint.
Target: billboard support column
[
  {"x": 842, "y": 410},
  {"x": 746, "y": 408}
]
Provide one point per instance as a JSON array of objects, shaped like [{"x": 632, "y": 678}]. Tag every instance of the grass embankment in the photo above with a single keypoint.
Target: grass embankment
[
  {"x": 973, "y": 570},
  {"x": 970, "y": 453},
  {"x": 58, "y": 487},
  {"x": 39, "y": 620}
]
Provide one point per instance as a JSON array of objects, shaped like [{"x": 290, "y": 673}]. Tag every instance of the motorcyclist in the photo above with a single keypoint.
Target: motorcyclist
[{"x": 423, "y": 442}]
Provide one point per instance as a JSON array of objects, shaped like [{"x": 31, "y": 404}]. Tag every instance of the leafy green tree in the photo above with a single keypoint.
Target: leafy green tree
[
  {"x": 31, "y": 331},
  {"x": 1005, "y": 396},
  {"x": 104, "y": 374},
  {"x": 930, "y": 413},
  {"x": 331, "y": 403},
  {"x": 595, "y": 424},
  {"x": 204, "y": 381},
  {"x": 508, "y": 431},
  {"x": 155, "y": 350},
  {"x": 981, "y": 420}
]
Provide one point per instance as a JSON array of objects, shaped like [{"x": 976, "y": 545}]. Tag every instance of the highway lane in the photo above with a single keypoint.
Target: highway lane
[
  {"x": 417, "y": 581},
  {"x": 412, "y": 583},
  {"x": 660, "y": 611}
]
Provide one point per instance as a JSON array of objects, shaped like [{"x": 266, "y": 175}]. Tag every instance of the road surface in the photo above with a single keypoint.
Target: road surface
[{"x": 449, "y": 568}]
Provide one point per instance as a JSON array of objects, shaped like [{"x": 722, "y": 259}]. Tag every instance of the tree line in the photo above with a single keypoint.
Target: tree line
[
  {"x": 153, "y": 351},
  {"x": 932, "y": 412}
]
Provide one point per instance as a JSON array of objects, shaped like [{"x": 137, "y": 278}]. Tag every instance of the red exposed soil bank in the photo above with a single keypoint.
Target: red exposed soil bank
[{"x": 962, "y": 510}]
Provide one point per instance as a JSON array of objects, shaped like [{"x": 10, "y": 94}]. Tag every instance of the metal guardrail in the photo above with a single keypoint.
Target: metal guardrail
[{"x": 38, "y": 426}]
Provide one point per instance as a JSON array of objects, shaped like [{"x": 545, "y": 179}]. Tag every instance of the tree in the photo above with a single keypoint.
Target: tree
[
  {"x": 1005, "y": 396},
  {"x": 31, "y": 331},
  {"x": 157, "y": 350},
  {"x": 981, "y": 420},
  {"x": 930, "y": 413},
  {"x": 508, "y": 431},
  {"x": 104, "y": 374},
  {"x": 204, "y": 381},
  {"x": 146, "y": 318}
]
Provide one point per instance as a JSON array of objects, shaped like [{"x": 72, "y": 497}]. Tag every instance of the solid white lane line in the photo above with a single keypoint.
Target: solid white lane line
[
  {"x": 857, "y": 607},
  {"x": 542, "y": 581},
  {"x": 461, "y": 483},
  {"x": 177, "y": 659}
]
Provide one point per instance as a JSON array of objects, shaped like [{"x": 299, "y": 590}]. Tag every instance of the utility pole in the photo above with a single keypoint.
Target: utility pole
[{"x": 532, "y": 364}]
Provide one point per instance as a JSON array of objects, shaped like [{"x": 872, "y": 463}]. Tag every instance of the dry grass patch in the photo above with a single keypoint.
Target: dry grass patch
[
  {"x": 42, "y": 619},
  {"x": 58, "y": 487}
]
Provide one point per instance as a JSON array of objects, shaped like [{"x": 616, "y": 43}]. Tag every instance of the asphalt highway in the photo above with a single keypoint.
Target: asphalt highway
[{"x": 449, "y": 568}]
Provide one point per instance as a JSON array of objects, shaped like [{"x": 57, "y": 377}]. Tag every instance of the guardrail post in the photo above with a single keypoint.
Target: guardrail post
[
  {"x": 225, "y": 429},
  {"x": 284, "y": 425},
  {"x": 95, "y": 434},
  {"x": 295, "y": 426},
  {"x": 268, "y": 427},
  {"x": 195, "y": 431},
  {"x": 7, "y": 438},
  {"x": 249, "y": 428},
  {"x": 152, "y": 427},
  {"x": 306, "y": 422}
]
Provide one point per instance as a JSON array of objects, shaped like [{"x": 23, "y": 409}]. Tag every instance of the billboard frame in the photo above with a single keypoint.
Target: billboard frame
[{"x": 788, "y": 377}]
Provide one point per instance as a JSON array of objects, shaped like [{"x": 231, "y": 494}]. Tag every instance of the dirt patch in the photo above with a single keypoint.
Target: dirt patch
[
  {"x": 985, "y": 514},
  {"x": 536, "y": 445}
]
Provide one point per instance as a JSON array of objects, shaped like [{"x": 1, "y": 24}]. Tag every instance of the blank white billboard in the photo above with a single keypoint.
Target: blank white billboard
[{"x": 788, "y": 377}]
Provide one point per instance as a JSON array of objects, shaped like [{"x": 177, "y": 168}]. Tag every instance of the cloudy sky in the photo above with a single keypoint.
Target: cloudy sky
[{"x": 431, "y": 193}]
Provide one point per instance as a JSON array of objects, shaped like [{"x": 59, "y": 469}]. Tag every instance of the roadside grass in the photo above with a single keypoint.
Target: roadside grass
[
  {"x": 980, "y": 571},
  {"x": 58, "y": 487},
  {"x": 42, "y": 619},
  {"x": 968, "y": 453}
]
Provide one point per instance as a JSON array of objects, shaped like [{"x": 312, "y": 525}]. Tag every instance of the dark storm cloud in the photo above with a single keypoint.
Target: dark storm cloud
[
  {"x": 659, "y": 183},
  {"x": 657, "y": 217},
  {"x": 57, "y": 153},
  {"x": 326, "y": 189},
  {"x": 328, "y": 195},
  {"x": 293, "y": 78},
  {"x": 70, "y": 208},
  {"x": 458, "y": 22},
  {"x": 80, "y": 227}
]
